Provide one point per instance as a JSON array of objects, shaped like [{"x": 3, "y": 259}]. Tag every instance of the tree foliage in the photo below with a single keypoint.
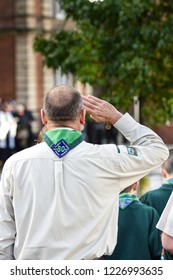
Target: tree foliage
[{"x": 122, "y": 48}]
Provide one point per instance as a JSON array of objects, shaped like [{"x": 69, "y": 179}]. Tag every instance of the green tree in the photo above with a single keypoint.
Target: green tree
[{"x": 122, "y": 48}]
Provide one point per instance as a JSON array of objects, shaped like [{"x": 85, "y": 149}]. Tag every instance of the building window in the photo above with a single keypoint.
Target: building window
[{"x": 56, "y": 11}]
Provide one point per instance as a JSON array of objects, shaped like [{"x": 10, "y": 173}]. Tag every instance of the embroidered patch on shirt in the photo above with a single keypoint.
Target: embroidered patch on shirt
[
  {"x": 61, "y": 148},
  {"x": 132, "y": 151}
]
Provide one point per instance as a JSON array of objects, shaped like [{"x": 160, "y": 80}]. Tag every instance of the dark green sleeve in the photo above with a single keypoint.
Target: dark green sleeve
[
  {"x": 144, "y": 199},
  {"x": 155, "y": 245}
]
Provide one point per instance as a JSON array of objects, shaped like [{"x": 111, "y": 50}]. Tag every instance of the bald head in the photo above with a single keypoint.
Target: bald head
[{"x": 63, "y": 104}]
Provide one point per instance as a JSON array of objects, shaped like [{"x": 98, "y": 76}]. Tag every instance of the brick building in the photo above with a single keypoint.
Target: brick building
[{"x": 22, "y": 75}]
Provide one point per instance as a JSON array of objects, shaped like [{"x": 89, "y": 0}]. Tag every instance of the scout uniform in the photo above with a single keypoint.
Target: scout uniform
[
  {"x": 59, "y": 198},
  {"x": 138, "y": 238},
  {"x": 158, "y": 197}
]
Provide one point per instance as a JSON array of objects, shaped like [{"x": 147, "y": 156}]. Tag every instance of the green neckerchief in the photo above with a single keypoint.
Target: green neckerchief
[
  {"x": 61, "y": 141},
  {"x": 125, "y": 199},
  {"x": 169, "y": 182}
]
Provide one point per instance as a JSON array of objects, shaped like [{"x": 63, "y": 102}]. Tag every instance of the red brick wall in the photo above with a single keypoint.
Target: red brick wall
[
  {"x": 7, "y": 62},
  {"x": 7, "y": 43},
  {"x": 6, "y": 14}
]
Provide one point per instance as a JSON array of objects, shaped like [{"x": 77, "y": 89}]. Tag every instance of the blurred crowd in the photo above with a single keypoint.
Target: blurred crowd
[{"x": 16, "y": 128}]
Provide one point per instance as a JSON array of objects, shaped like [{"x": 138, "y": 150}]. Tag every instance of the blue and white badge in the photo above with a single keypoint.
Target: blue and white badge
[
  {"x": 61, "y": 148},
  {"x": 132, "y": 151}
]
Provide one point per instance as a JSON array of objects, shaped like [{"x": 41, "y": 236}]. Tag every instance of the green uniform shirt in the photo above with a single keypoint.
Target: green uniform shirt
[
  {"x": 138, "y": 237},
  {"x": 158, "y": 199}
]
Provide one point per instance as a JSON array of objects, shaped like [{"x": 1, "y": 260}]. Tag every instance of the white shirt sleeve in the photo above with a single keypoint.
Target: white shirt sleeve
[{"x": 145, "y": 152}]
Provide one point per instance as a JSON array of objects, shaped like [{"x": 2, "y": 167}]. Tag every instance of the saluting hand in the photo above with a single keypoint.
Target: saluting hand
[{"x": 100, "y": 110}]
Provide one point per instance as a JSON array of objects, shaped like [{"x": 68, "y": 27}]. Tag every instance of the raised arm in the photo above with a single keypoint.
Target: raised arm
[{"x": 146, "y": 150}]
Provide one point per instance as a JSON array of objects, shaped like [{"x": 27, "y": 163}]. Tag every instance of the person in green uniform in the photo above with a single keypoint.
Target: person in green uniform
[
  {"x": 159, "y": 197},
  {"x": 138, "y": 237}
]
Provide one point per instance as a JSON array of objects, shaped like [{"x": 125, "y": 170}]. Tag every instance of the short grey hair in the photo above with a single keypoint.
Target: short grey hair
[{"x": 63, "y": 103}]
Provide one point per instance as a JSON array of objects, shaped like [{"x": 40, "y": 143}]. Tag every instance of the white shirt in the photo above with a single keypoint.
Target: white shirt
[
  {"x": 165, "y": 222},
  {"x": 67, "y": 208}
]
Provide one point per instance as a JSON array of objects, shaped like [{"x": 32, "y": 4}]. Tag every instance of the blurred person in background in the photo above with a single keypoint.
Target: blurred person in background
[
  {"x": 8, "y": 127},
  {"x": 158, "y": 198},
  {"x": 24, "y": 134}
]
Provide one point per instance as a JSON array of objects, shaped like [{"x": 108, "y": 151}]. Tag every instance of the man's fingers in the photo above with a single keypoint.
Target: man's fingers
[
  {"x": 93, "y": 105},
  {"x": 95, "y": 99},
  {"x": 98, "y": 109},
  {"x": 91, "y": 101},
  {"x": 88, "y": 105},
  {"x": 101, "y": 110}
]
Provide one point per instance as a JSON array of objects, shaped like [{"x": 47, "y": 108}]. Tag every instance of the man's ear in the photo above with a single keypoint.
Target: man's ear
[
  {"x": 164, "y": 173},
  {"x": 135, "y": 186},
  {"x": 43, "y": 117},
  {"x": 82, "y": 117}
]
